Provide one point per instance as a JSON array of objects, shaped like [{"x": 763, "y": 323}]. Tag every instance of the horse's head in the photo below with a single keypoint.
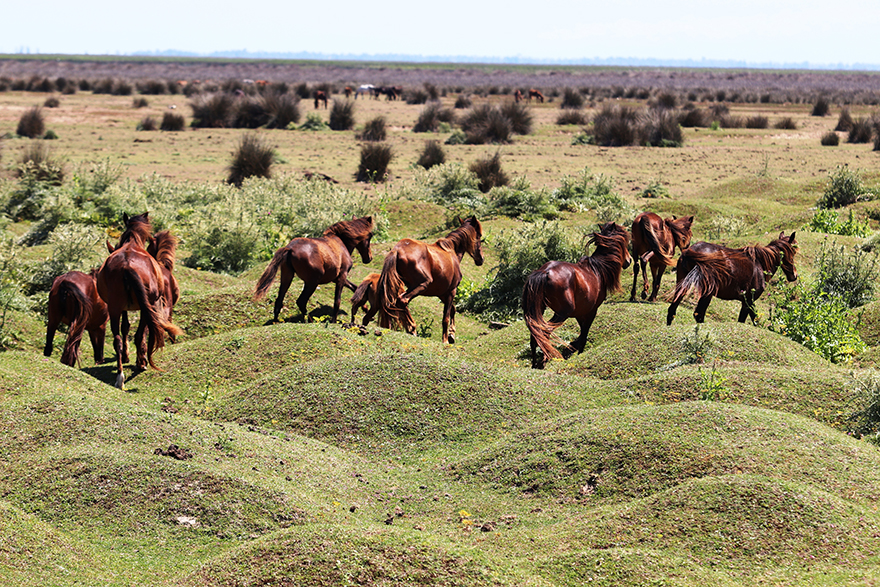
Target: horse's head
[
  {"x": 137, "y": 228},
  {"x": 355, "y": 234},
  {"x": 786, "y": 246},
  {"x": 363, "y": 244},
  {"x": 681, "y": 230},
  {"x": 475, "y": 245}
]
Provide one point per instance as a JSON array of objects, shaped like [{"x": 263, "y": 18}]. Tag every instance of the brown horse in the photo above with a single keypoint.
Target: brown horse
[
  {"x": 131, "y": 279},
  {"x": 74, "y": 300},
  {"x": 730, "y": 274},
  {"x": 163, "y": 248},
  {"x": 653, "y": 243},
  {"x": 573, "y": 290},
  {"x": 326, "y": 259},
  {"x": 320, "y": 96},
  {"x": 348, "y": 91},
  {"x": 414, "y": 268},
  {"x": 366, "y": 293},
  {"x": 537, "y": 95},
  {"x": 517, "y": 96}
]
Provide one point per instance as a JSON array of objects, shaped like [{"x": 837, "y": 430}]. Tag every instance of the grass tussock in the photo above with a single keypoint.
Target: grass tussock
[
  {"x": 31, "y": 124},
  {"x": 342, "y": 115},
  {"x": 432, "y": 154},
  {"x": 172, "y": 122},
  {"x": 253, "y": 157},
  {"x": 489, "y": 172},
  {"x": 375, "y": 158},
  {"x": 374, "y": 130}
]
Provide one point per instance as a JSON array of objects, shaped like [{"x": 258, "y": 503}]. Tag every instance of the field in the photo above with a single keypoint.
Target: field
[{"x": 323, "y": 454}]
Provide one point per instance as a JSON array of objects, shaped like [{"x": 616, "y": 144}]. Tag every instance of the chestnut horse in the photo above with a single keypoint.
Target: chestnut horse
[
  {"x": 537, "y": 95},
  {"x": 414, "y": 268},
  {"x": 731, "y": 274},
  {"x": 326, "y": 259},
  {"x": 74, "y": 300},
  {"x": 573, "y": 290},
  {"x": 653, "y": 243},
  {"x": 517, "y": 96},
  {"x": 163, "y": 247},
  {"x": 320, "y": 96},
  {"x": 131, "y": 279},
  {"x": 366, "y": 293}
]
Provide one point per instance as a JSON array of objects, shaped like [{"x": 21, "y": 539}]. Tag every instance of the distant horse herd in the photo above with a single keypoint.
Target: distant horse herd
[{"x": 138, "y": 276}]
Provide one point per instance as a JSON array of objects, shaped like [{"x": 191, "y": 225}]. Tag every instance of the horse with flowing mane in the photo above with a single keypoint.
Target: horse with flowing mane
[
  {"x": 415, "y": 268},
  {"x": 573, "y": 290},
  {"x": 536, "y": 94},
  {"x": 731, "y": 274},
  {"x": 326, "y": 259},
  {"x": 74, "y": 300},
  {"x": 653, "y": 243},
  {"x": 131, "y": 279}
]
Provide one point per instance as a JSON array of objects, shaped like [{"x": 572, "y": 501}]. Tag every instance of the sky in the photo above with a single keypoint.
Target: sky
[{"x": 818, "y": 32}]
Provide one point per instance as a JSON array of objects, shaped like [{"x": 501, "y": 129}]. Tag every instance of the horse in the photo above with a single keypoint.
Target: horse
[
  {"x": 366, "y": 293},
  {"x": 131, "y": 279},
  {"x": 320, "y": 96},
  {"x": 414, "y": 268},
  {"x": 326, "y": 259},
  {"x": 730, "y": 274},
  {"x": 517, "y": 96},
  {"x": 364, "y": 89},
  {"x": 573, "y": 290},
  {"x": 653, "y": 242},
  {"x": 348, "y": 91},
  {"x": 536, "y": 94},
  {"x": 74, "y": 300}
]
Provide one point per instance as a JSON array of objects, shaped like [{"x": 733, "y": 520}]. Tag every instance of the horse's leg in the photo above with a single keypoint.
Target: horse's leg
[
  {"x": 673, "y": 307},
  {"x": 585, "y": 323},
  {"x": 337, "y": 299},
  {"x": 370, "y": 314},
  {"x": 284, "y": 285},
  {"x": 700, "y": 310},
  {"x": 140, "y": 343},
  {"x": 51, "y": 327},
  {"x": 97, "y": 337},
  {"x": 657, "y": 276},
  {"x": 126, "y": 328},
  {"x": 748, "y": 307},
  {"x": 309, "y": 288},
  {"x": 449, "y": 319},
  {"x": 643, "y": 263},
  {"x": 555, "y": 322},
  {"x": 632, "y": 294}
]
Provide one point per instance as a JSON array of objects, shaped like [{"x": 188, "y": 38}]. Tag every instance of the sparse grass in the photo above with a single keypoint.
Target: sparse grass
[
  {"x": 147, "y": 123},
  {"x": 374, "y": 130},
  {"x": 830, "y": 139}
]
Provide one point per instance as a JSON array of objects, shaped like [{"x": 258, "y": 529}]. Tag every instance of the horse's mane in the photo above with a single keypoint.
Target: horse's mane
[
  {"x": 163, "y": 247},
  {"x": 608, "y": 258},
  {"x": 138, "y": 229},
  {"x": 351, "y": 230},
  {"x": 680, "y": 228},
  {"x": 770, "y": 257},
  {"x": 467, "y": 234}
]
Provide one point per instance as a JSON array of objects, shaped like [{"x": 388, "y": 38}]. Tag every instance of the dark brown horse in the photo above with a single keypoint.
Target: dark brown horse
[
  {"x": 414, "y": 268},
  {"x": 326, "y": 259},
  {"x": 163, "y": 248},
  {"x": 517, "y": 96},
  {"x": 653, "y": 243},
  {"x": 731, "y": 274},
  {"x": 74, "y": 300},
  {"x": 131, "y": 279},
  {"x": 320, "y": 97},
  {"x": 573, "y": 290},
  {"x": 536, "y": 94}
]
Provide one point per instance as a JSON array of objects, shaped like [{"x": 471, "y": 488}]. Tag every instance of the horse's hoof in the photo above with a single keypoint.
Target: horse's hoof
[{"x": 120, "y": 381}]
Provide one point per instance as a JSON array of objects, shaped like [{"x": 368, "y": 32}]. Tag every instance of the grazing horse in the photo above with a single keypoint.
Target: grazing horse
[
  {"x": 366, "y": 293},
  {"x": 364, "y": 89},
  {"x": 573, "y": 289},
  {"x": 74, "y": 300},
  {"x": 536, "y": 94},
  {"x": 326, "y": 259},
  {"x": 320, "y": 96},
  {"x": 348, "y": 91},
  {"x": 730, "y": 274},
  {"x": 517, "y": 96},
  {"x": 131, "y": 279},
  {"x": 414, "y": 268},
  {"x": 653, "y": 243}
]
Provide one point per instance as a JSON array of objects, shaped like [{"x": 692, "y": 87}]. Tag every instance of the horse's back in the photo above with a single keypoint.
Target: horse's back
[{"x": 318, "y": 258}]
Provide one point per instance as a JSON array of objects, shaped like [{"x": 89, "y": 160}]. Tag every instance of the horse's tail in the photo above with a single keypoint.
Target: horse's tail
[
  {"x": 650, "y": 239},
  {"x": 157, "y": 324},
  {"x": 533, "y": 311},
  {"x": 268, "y": 275},
  {"x": 78, "y": 308},
  {"x": 698, "y": 272},
  {"x": 387, "y": 291}
]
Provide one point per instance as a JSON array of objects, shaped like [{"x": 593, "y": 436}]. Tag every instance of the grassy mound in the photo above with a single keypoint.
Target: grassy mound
[
  {"x": 329, "y": 556},
  {"x": 748, "y": 524},
  {"x": 633, "y": 452}
]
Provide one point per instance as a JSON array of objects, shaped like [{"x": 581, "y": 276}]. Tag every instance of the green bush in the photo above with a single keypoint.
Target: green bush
[
  {"x": 454, "y": 187},
  {"x": 827, "y": 221},
  {"x": 75, "y": 247},
  {"x": 313, "y": 122},
  {"x": 521, "y": 201},
  {"x": 11, "y": 298},
  {"x": 844, "y": 188},
  {"x": 818, "y": 321},
  {"x": 847, "y": 274},
  {"x": 864, "y": 420},
  {"x": 520, "y": 252},
  {"x": 224, "y": 249}
]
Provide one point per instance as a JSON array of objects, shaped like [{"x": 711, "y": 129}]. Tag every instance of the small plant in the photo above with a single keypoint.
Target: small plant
[
  {"x": 172, "y": 122},
  {"x": 374, "y": 130},
  {"x": 865, "y": 417},
  {"x": 31, "y": 124},
  {"x": 521, "y": 201},
  {"x": 342, "y": 115},
  {"x": 571, "y": 117},
  {"x": 848, "y": 275},
  {"x": 655, "y": 189},
  {"x": 139, "y": 102},
  {"x": 458, "y": 137},
  {"x": 11, "y": 298},
  {"x": 253, "y": 157},
  {"x": 489, "y": 173},
  {"x": 375, "y": 158},
  {"x": 827, "y": 221},
  {"x": 583, "y": 138},
  {"x": 313, "y": 122},
  {"x": 786, "y": 123},
  {"x": 37, "y": 164},
  {"x": 432, "y": 154},
  {"x": 822, "y": 107},
  {"x": 572, "y": 98},
  {"x": 147, "y": 123},
  {"x": 721, "y": 227},
  {"x": 830, "y": 139},
  {"x": 226, "y": 249},
  {"x": 425, "y": 330},
  {"x": 463, "y": 102},
  {"x": 713, "y": 385},
  {"x": 52, "y": 102},
  {"x": 844, "y": 188},
  {"x": 844, "y": 121},
  {"x": 860, "y": 132}
]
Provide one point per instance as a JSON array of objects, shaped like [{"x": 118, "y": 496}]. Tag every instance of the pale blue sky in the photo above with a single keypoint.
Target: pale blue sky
[{"x": 814, "y": 31}]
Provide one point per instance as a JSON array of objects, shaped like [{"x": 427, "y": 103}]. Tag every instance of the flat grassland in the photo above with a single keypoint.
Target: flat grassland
[{"x": 324, "y": 456}]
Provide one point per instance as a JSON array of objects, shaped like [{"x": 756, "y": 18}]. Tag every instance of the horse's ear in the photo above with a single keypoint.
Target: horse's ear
[
  {"x": 782, "y": 235},
  {"x": 459, "y": 220},
  {"x": 674, "y": 217},
  {"x": 110, "y": 248},
  {"x": 125, "y": 218},
  {"x": 689, "y": 220},
  {"x": 791, "y": 238}
]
